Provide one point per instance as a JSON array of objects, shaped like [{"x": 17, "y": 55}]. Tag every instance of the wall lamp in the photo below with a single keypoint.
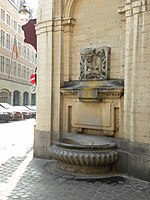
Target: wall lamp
[{"x": 24, "y": 12}]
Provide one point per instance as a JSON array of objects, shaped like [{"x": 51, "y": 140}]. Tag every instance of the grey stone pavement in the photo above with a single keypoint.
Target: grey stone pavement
[
  {"x": 23, "y": 177},
  {"x": 26, "y": 178}
]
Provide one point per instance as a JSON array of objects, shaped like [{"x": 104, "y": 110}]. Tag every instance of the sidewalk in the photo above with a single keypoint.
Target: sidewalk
[{"x": 28, "y": 178}]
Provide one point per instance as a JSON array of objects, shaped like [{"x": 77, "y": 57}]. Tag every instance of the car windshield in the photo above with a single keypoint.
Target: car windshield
[{"x": 6, "y": 105}]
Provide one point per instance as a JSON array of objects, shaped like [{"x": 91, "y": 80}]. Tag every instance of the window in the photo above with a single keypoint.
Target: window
[
  {"x": 19, "y": 70},
  {"x": 19, "y": 48},
  {"x": 7, "y": 65},
  {"x": 8, "y": 19},
  {"x": 19, "y": 29},
  {"x": 15, "y": 25},
  {"x": 7, "y": 41},
  {"x": 33, "y": 57},
  {"x": 28, "y": 54},
  {"x": 24, "y": 52},
  {"x": 28, "y": 74},
  {"x": 12, "y": 23},
  {"x": 15, "y": 69},
  {"x": 4, "y": 96},
  {"x": 2, "y": 38},
  {"x": 2, "y": 14},
  {"x": 24, "y": 72},
  {"x": 2, "y": 64}
]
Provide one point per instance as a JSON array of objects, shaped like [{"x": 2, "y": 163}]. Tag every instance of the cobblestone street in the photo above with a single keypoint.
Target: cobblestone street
[
  {"x": 28, "y": 178},
  {"x": 23, "y": 177}
]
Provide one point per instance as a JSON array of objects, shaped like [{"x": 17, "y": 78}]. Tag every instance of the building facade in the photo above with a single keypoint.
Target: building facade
[
  {"x": 15, "y": 86},
  {"x": 66, "y": 29}
]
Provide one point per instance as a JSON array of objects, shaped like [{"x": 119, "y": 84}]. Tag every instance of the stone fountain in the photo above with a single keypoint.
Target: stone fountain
[{"x": 86, "y": 146}]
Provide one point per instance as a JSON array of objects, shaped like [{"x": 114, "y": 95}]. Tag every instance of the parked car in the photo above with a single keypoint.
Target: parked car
[
  {"x": 17, "y": 114},
  {"x": 32, "y": 109},
  {"x": 6, "y": 115},
  {"x": 25, "y": 111}
]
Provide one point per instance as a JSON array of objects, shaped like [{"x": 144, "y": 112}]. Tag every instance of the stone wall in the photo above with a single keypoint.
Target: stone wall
[
  {"x": 98, "y": 24},
  {"x": 64, "y": 29},
  {"x": 136, "y": 75}
]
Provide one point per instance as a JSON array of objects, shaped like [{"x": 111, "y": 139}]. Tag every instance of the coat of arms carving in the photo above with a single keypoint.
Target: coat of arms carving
[{"x": 95, "y": 63}]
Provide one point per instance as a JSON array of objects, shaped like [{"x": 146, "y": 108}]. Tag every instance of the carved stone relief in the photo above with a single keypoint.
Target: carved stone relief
[{"x": 94, "y": 63}]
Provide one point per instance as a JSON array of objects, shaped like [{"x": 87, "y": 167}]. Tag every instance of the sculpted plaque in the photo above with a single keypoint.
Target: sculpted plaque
[{"x": 94, "y": 63}]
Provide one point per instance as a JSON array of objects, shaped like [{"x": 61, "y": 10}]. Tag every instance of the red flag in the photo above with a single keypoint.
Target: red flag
[
  {"x": 30, "y": 33},
  {"x": 15, "y": 47}
]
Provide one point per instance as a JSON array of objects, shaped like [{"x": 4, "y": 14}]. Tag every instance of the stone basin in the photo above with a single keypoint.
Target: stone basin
[{"x": 80, "y": 153}]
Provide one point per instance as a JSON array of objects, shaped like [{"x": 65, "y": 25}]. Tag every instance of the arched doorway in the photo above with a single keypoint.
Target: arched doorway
[
  {"x": 25, "y": 98},
  {"x": 16, "y": 98},
  {"x": 33, "y": 99},
  {"x": 5, "y": 96}
]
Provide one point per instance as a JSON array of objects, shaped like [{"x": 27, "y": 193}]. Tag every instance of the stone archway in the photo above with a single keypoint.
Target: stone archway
[
  {"x": 16, "y": 98},
  {"x": 5, "y": 96},
  {"x": 69, "y": 8},
  {"x": 25, "y": 98},
  {"x": 33, "y": 99}
]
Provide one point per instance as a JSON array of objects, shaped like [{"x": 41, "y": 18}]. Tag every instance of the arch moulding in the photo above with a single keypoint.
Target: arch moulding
[{"x": 70, "y": 4}]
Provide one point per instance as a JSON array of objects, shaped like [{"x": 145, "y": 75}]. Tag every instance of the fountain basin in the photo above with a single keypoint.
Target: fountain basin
[{"x": 84, "y": 157}]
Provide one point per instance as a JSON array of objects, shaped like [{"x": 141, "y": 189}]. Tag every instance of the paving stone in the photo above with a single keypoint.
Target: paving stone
[{"x": 43, "y": 180}]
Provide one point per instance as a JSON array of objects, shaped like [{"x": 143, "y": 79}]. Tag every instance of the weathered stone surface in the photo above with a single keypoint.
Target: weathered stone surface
[
  {"x": 89, "y": 154},
  {"x": 63, "y": 34}
]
